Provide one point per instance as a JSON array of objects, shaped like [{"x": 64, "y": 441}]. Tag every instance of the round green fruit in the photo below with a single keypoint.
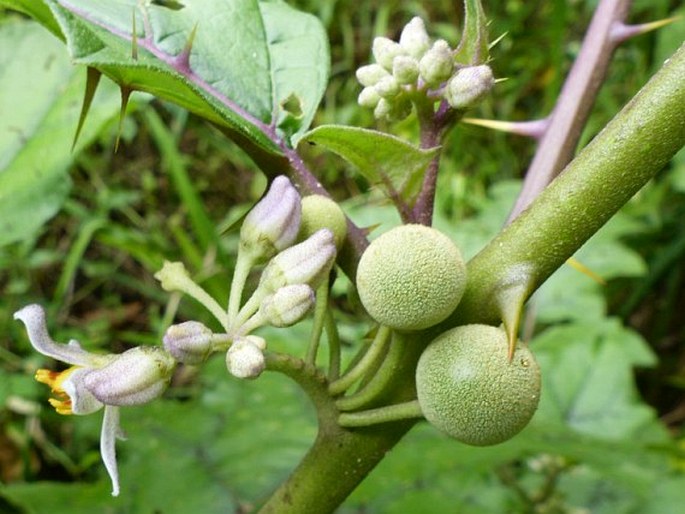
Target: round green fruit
[
  {"x": 321, "y": 212},
  {"x": 411, "y": 277},
  {"x": 468, "y": 388}
]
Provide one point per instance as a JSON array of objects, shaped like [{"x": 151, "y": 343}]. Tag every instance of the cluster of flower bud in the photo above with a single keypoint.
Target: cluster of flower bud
[
  {"x": 285, "y": 292},
  {"x": 417, "y": 64}
]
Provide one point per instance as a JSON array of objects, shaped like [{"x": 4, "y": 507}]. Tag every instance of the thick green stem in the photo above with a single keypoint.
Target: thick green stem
[{"x": 631, "y": 149}]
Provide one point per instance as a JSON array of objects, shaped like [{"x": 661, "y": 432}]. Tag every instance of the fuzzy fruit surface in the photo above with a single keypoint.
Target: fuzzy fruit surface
[
  {"x": 468, "y": 388},
  {"x": 411, "y": 277}
]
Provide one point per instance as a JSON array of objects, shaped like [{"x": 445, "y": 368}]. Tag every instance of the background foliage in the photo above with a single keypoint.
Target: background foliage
[{"x": 608, "y": 435}]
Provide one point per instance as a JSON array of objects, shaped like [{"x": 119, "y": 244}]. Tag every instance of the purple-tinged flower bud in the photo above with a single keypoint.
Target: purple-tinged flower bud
[
  {"x": 189, "y": 342},
  {"x": 273, "y": 223},
  {"x": 414, "y": 39},
  {"x": 405, "y": 69},
  {"x": 308, "y": 262},
  {"x": 245, "y": 359},
  {"x": 370, "y": 74},
  {"x": 388, "y": 88},
  {"x": 385, "y": 50},
  {"x": 137, "y": 376},
  {"x": 437, "y": 65},
  {"x": 287, "y": 305},
  {"x": 368, "y": 97},
  {"x": 469, "y": 86}
]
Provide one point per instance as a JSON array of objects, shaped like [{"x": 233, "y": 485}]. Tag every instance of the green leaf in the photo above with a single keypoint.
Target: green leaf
[
  {"x": 473, "y": 47},
  {"x": 592, "y": 388},
  {"x": 40, "y": 101},
  {"x": 384, "y": 160},
  {"x": 570, "y": 295},
  {"x": 242, "y": 65},
  {"x": 36, "y": 10}
]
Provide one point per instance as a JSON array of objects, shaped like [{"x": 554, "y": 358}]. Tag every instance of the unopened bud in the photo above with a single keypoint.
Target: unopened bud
[
  {"x": 321, "y": 212},
  {"x": 368, "y": 97},
  {"x": 437, "y": 65},
  {"x": 388, "y": 88},
  {"x": 370, "y": 74},
  {"x": 469, "y": 86},
  {"x": 287, "y": 306},
  {"x": 245, "y": 359},
  {"x": 308, "y": 262},
  {"x": 273, "y": 223},
  {"x": 135, "y": 377},
  {"x": 189, "y": 342},
  {"x": 414, "y": 39},
  {"x": 385, "y": 50},
  {"x": 393, "y": 111},
  {"x": 405, "y": 69},
  {"x": 382, "y": 110}
]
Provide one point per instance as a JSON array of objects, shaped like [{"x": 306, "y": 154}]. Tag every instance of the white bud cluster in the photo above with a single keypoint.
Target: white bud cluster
[{"x": 417, "y": 64}]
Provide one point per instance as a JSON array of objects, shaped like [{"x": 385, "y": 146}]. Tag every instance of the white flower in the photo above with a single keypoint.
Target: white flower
[{"x": 95, "y": 381}]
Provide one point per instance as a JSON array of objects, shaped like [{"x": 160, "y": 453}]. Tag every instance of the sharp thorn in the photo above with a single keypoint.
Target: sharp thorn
[
  {"x": 92, "y": 81},
  {"x": 125, "y": 95},
  {"x": 535, "y": 129},
  {"x": 134, "y": 36},
  {"x": 621, "y": 32},
  {"x": 579, "y": 266}
]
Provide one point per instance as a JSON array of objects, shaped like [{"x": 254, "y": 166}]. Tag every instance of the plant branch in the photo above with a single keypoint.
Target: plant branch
[
  {"x": 558, "y": 144},
  {"x": 621, "y": 159}
]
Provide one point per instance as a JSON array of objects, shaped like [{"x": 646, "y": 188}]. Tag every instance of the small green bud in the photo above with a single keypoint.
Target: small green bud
[
  {"x": 174, "y": 276},
  {"x": 287, "y": 305},
  {"x": 385, "y": 50},
  {"x": 469, "y": 86},
  {"x": 368, "y": 97},
  {"x": 405, "y": 69},
  {"x": 388, "y": 88},
  {"x": 437, "y": 65},
  {"x": 308, "y": 262},
  {"x": 244, "y": 359},
  {"x": 321, "y": 212},
  {"x": 189, "y": 342},
  {"x": 382, "y": 110},
  {"x": 414, "y": 39},
  {"x": 370, "y": 74},
  {"x": 273, "y": 223}
]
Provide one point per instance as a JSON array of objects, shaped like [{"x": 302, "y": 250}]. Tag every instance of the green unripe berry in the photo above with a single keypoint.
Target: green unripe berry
[
  {"x": 468, "y": 388},
  {"x": 411, "y": 277},
  {"x": 321, "y": 212}
]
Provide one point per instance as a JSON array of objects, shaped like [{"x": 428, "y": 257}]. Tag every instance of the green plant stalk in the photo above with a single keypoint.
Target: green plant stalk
[{"x": 621, "y": 159}]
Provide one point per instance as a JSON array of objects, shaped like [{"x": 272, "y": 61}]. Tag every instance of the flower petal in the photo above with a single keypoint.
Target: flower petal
[
  {"x": 33, "y": 316},
  {"x": 108, "y": 439},
  {"x": 134, "y": 377}
]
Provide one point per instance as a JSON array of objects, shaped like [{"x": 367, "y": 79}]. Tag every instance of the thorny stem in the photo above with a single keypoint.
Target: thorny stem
[
  {"x": 433, "y": 127},
  {"x": 565, "y": 124}
]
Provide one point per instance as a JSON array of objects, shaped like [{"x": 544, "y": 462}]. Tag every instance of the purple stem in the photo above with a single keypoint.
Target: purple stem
[{"x": 566, "y": 122}]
